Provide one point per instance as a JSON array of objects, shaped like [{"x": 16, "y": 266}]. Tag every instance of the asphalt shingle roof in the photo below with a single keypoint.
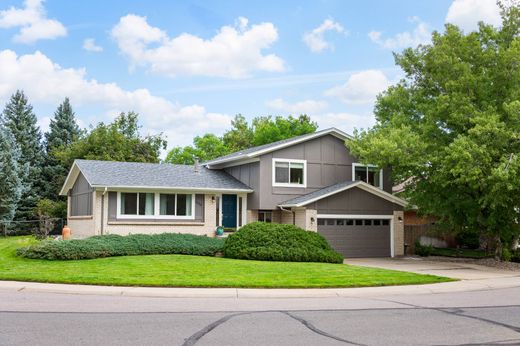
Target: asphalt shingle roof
[
  {"x": 301, "y": 200},
  {"x": 111, "y": 173},
  {"x": 245, "y": 152}
]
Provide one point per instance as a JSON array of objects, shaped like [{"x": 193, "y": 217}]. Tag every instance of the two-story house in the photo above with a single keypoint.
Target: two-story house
[{"x": 311, "y": 181}]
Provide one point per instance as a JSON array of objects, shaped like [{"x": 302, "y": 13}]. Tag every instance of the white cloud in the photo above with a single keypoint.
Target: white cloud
[
  {"x": 420, "y": 35},
  {"x": 315, "y": 39},
  {"x": 33, "y": 22},
  {"x": 90, "y": 45},
  {"x": 48, "y": 83},
  {"x": 467, "y": 13},
  {"x": 309, "y": 107},
  {"x": 234, "y": 52},
  {"x": 361, "y": 87}
]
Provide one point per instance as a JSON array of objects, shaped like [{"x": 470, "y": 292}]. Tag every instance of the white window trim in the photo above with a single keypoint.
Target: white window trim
[
  {"x": 275, "y": 184},
  {"x": 157, "y": 208},
  {"x": 357, "y": 164},
  {"x": 244, "y": 210}
]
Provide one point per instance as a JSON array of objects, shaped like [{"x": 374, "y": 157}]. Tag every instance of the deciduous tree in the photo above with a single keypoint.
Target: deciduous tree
[{"x": 452, "y": 128}]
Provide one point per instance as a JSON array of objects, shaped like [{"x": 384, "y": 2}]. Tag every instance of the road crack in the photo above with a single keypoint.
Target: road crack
[
  {"x": 317, "y": 330},
  {"x": 192, "y": 340}
]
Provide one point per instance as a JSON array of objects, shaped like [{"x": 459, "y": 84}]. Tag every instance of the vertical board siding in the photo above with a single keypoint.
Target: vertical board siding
[{"x": 81, "y": 197}]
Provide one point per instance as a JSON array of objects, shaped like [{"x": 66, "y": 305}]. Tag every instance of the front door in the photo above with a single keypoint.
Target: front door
[{"x": 229, "y": 211}]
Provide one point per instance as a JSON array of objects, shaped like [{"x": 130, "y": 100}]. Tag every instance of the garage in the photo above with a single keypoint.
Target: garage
[{"x": 360, "y": 237}]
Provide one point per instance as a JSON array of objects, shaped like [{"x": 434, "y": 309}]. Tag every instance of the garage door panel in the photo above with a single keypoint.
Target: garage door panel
[{"x": 358, "y": 241}]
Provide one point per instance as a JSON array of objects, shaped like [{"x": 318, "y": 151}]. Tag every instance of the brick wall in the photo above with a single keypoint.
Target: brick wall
[
  {"x": 252, "y": 216},
  {"x": 398, "y": 233},
  {"x": 303, "y": 218},
  {"x": 82, "y": 226}
]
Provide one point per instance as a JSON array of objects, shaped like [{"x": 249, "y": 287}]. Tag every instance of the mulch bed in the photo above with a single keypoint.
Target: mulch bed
[{"x": 488, "y": 262}]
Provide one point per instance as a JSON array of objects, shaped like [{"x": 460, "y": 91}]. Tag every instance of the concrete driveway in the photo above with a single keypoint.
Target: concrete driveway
[{"x": 462, "y": 271}]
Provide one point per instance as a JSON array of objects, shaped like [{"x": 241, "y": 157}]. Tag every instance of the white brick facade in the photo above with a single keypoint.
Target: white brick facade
[{"x": 82, "y": 227}]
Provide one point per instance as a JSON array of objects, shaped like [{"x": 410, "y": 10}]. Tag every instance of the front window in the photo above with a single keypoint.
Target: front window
[
  {"x": 289, "y": 172},
  {"x": 265, "y": 216},
  {"x": 183, "y": 205},
  {"x": 137, "y": 203},
  {"x": 160, "y": 205},
  {"x": 369, "y": 174}
]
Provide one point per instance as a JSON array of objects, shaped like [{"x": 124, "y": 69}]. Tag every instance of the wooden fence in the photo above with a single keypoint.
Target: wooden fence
[{"x": 412, "y": 233}]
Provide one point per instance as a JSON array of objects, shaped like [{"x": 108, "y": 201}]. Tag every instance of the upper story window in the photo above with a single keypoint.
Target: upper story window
[
  {"x": 156, "y": 205},
  {"x": 368, "y": 173},
  {"x": 289, "y": 173}
]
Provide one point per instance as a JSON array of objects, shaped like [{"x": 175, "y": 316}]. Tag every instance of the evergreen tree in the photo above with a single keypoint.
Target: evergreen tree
[
  {"x": 19, "y": 118},
  {"x": 11, "y": 173},
  {"x": 63, "y": 131}
]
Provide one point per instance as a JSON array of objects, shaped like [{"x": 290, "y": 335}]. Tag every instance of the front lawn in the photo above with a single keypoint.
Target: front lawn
[{"x": 195, "y": 271}]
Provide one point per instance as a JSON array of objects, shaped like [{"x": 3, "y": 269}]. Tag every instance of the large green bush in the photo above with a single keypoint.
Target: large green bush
[
  {"x": 468, "y": 238},
  {"x": 277, "y": 242},
  {"x": 115, "y": 245}
]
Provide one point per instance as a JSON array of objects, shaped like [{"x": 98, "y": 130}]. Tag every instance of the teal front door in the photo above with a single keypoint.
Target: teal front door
[{"x": 229, "y": 211}]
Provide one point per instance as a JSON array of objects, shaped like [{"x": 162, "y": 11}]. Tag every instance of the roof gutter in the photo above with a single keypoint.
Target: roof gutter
[{"x": 171, "y": 188}]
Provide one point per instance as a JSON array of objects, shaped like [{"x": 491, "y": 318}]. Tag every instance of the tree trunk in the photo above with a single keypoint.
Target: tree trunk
[{"x": 498, "y": 248}]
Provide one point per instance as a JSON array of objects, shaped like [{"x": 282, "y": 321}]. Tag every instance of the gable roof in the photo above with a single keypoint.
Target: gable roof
[
  {"x": 267, "y": 148},
  {"x": 314, "y": 196},
  {"x": 113, "y": 174}
]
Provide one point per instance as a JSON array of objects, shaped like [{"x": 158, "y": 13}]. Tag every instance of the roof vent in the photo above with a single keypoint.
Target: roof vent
[{"x": 196, "y": 165}]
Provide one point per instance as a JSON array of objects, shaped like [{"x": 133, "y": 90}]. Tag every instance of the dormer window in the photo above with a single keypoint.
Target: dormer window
[
  {"x": 370, "y": 174},
  {"x": 289, "y": 173}
]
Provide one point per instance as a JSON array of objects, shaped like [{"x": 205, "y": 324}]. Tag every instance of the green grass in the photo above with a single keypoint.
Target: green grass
[
  {"x": 195, "y": 271},
  {"x": 463, "y": 253}
]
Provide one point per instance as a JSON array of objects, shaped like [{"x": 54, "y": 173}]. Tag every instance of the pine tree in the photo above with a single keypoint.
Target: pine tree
[
  {"x": 11, "y": 187},
  {"x": 19, "y": 118},
  {"x": 63, "y": 131}
]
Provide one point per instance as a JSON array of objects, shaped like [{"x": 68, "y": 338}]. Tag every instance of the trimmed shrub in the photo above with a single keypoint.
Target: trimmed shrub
[
  {"x": 279, "y": 242},
  {"x": 423, "y": 250},
  {"x": 116, "y": 245}
]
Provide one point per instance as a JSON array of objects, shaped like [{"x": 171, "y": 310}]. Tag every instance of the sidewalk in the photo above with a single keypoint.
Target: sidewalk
[{"x": 244, "y": 293}]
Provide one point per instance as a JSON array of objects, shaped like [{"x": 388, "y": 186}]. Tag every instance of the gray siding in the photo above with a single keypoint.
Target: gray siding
[
  {"x": 112, "y": 210},
  {"x": 355, "y": 201},
  {"x": 81, "y": 197},
  {"x": 249, "y": 175},
  {"x": 328, "y": 162}
]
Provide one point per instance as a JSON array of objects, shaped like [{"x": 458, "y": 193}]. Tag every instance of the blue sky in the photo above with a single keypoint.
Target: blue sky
[{"x": 188, "y": 67}]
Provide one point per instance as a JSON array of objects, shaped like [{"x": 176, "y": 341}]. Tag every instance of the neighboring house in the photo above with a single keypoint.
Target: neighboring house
[{"x": 311, "y": 181}]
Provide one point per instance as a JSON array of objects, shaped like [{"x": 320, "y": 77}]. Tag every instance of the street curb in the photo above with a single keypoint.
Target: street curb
[{"x": 246, "y": 293}]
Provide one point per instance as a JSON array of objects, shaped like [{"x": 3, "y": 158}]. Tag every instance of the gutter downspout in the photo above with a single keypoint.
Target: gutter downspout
[
  {"x": 103, "y": 210},
  {"x": 290, "y": 211}
]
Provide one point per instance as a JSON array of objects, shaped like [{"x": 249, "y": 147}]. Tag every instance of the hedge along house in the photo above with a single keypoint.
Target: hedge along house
[{"x": 311, "y": 181}]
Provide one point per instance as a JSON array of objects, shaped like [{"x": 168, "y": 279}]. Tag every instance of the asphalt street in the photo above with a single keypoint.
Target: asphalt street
[{"x": 483, "y": 317}]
